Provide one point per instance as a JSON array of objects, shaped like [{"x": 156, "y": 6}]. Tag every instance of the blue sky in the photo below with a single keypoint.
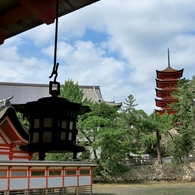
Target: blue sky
[{"x": 117, "y": 44}]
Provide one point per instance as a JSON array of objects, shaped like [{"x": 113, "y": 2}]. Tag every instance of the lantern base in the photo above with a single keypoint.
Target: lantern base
[{"x": 53, "y": 148}]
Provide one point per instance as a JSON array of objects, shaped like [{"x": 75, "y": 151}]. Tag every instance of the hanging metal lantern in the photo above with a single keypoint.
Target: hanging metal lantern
[{"x": 52, "y": 123}]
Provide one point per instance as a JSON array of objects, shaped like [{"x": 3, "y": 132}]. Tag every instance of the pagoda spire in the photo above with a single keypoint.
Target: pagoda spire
[{"x": 168, "y": 59}]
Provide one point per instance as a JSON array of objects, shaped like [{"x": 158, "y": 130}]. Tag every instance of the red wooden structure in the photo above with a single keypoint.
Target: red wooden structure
[
  {"x": 12, "y": 136},
  {"x": 166, "y": 83}
]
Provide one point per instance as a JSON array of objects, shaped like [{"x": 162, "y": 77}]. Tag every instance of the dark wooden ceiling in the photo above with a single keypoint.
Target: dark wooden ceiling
[{"x": 17, "y": 16}]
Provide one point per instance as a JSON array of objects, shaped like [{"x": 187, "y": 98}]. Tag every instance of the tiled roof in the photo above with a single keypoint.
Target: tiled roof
[{"x": 26, "y": 92}]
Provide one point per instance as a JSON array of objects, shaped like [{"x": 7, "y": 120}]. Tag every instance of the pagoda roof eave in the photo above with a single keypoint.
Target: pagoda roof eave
[
  {"x": 176, "y": 74},
  {"x": 168, "y": 101},
  {"x": 169, "y": 70}
]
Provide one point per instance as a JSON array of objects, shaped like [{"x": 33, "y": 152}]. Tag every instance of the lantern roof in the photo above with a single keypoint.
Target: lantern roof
[
  {"x": 17, "y": 16},
  {"x": 51, "y": 101}
]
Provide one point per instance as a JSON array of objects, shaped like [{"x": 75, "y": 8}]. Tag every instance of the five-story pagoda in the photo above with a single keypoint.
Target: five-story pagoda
[{"x": 166, "y": 83}]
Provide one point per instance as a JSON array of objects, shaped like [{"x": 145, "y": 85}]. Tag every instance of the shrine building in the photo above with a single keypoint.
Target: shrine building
[{"x": 166, "y": 84}]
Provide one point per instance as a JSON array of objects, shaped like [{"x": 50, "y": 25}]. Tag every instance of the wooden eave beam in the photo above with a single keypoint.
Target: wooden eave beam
[
  {"x": 26, "y": 8},
  {"x": 17, "y": 11},
  {"x": 21, "y": 15},
  {"x": 7, "y": 19},
  {"x": 41, "y": 9},
  {"x": 2, "y": 36},
  {"x": 46, "y": 13}
]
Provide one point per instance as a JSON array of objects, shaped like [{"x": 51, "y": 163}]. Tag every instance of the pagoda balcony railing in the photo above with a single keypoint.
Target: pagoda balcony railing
[
  {"x": 168, "y": 79},
  {"x": 165, "y": 98},
  {"x": 167, "y": 87},
  {"x": 168, "y": 98}
]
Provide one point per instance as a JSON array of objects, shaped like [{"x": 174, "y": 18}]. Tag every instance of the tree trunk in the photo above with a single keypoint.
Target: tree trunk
[
  {"x": 97, "y": 160},
  {"x": 159, "y": 156}
]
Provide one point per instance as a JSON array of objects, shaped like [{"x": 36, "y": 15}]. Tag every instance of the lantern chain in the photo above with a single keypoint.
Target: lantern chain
[{"x": 55, "y": 66}]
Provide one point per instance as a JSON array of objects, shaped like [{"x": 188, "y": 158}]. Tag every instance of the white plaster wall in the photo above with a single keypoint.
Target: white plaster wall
[
  {"x": 18, "y": 183},
  {"x": 3, "y": 156},
  {"x": 37, "y": 183},
  {"x": 70, "y": 181},
  {"x": 3, "y": 184},
  {"x": 55, "y": 182},
  {"x": 84, "y": 180}
]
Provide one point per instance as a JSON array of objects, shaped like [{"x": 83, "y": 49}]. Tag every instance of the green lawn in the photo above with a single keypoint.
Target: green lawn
[
  {"x": 166, "y": 191},
  {"x": 160, "y": 188}
]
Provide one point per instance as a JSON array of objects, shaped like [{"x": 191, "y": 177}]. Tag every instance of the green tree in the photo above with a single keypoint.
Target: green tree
[
  {"x": 106, "y": 138},
  {"x": 153, "y": 129},
  {"x": 71, "y": 91},
  {"x": 22, "y": 119},
  {"x": 130, "y": 120},
  {"x": 183, "y": 141}
]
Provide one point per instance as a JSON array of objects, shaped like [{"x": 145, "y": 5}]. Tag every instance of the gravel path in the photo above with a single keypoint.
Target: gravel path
[{"x": 160, "y": 188}]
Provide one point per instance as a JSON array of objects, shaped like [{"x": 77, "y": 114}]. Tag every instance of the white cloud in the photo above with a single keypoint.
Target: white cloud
[{"x": 137, "y": 35}]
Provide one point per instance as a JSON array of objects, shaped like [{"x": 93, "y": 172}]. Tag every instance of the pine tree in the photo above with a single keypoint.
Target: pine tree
[{"x": 183, "y": 142}]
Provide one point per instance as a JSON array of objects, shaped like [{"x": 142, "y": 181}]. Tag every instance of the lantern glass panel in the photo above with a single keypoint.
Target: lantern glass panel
[
  {"x": 35, "y": 137},
  {"x": 64, "y": 124},
  {"x": 71, "y": 125},
  {"x": 54, "y": 87},
  {"x": 70, "y": 136},
  {"x": 58, "y": 123},
  {"x": 63, "y": 135},
  {"x": 36, "y": 123},
  {"x": 47, "y": 122},
  {"x": 47, "y": 136}
]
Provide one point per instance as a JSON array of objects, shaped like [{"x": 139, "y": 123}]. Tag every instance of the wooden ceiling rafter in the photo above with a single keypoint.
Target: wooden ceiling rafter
[
  {"x": 17, "y": 16},
  {"x": 46, "y": 13},
  {"x": 69, "y": 4},
  {"x": 7, "y": 17}
]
